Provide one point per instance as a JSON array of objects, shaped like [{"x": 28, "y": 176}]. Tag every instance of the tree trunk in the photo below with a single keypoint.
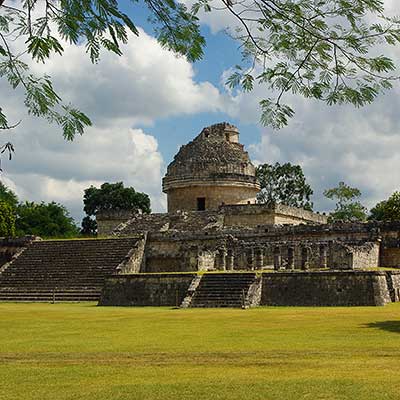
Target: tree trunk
[{"x": 1, "y": 2}]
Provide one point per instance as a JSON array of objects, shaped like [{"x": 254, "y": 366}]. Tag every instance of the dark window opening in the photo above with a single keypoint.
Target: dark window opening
[{"x": 201, "y": 203}]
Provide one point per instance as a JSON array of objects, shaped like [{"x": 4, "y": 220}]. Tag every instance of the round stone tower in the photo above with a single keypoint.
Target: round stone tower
[{"x": 210, "y": 171}]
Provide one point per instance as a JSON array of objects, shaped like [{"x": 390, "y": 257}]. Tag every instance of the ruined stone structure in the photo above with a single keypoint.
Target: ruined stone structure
[
  {"x": 210, "y": 181},
  {"x": 279, "y": 255},
  {"x": 65, "y": 270},
  {"x": 214, "y": 248},
  {"x": 210, "y": 171}
]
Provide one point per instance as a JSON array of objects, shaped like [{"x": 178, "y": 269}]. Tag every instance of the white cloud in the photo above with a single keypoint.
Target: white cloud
[
  {"x": 359, "y": 146},
  {"x": 145, "y": 84},
  {"x": 111, "y": 154}
]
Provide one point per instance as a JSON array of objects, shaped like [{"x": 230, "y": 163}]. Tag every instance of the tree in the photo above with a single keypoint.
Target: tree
[
  {"x": 8, "y": 196},
  {"x": 284, "y": 184},
  {"x": 89, "y": 226},
  {"x": 111, "y": 197},
  {"x": 7, "y": 219},
  {"x": 387, "y": 210},
  {"x": 45, "y": 220},
  {"x": 41, "y": 27},
  {"x": 325, "y": 49},
  {"x": 347, "y": 209}
]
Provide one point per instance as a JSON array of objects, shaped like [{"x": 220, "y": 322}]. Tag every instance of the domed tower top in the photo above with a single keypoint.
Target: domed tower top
[{"x": 211, "y": 170}]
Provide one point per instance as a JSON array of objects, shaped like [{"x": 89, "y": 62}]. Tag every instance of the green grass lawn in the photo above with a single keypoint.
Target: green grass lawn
[{"x": 80, "y": 351}]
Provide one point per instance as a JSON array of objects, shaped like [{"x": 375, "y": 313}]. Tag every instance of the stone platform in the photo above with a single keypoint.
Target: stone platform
[{"x": 317, "y": 288}]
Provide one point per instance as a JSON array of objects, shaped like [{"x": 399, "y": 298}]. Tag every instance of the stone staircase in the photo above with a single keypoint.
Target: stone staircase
[
  {"x": 196, "y": 220},
  {"x": 64, "y": 270},
  {"x": 223, "y": 290}
]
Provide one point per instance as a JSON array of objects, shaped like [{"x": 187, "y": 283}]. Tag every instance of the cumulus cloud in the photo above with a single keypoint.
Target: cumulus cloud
[
  {"x": 358, "y": 146},
  {"x": 145, "y": 84}
]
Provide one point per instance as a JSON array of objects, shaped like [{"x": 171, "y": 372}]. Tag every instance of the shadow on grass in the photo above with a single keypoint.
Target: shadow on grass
[{"x": 389, "y": 326}]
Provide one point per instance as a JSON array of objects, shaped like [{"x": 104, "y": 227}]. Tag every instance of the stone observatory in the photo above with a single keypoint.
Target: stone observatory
[
  {"x": 211, "y": 171},
  {"x": 259, "y": 254}
]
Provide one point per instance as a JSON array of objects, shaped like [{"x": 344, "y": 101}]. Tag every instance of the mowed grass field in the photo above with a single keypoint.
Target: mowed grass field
[{"x": 80, "y": 351}]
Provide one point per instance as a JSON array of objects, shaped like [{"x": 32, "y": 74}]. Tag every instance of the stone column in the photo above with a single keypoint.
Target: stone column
[
  {"x": 330, "y": 257},
  {"x": 216, "y": 260},
  {"x": 290, "y": 258},
  {"x": 222, "y": 259},
  {"x": 230, "y": 260},
  {"x": 305, "y": 258},
  {"x": 250, "y": 258},
  {"x": 277, "y": 258},
  {"x": 323, "y": 256},
  {"x": 259, "y": 258}
]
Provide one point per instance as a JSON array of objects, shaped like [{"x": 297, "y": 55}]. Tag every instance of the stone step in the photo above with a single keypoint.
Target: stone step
[
  {"x": 202, "y": 293},
  {"x": 81, "y": 281},
  {"x": 222, "y": 290},
  {"x": 225, "y": 284},
  {"x": 47, "y": 299},
  {"x": 5, "y": 291},
  {"x": 67, "y": 270},
  {"x": 217, "y": 305}
]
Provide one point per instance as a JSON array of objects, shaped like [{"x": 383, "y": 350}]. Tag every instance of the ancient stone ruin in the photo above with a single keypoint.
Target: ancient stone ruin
[{"x": 216, "y": 247}]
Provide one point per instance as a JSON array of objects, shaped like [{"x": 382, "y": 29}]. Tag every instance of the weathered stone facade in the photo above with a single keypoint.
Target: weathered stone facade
[
  {"x": 355, "y": 288},
  {"x": 210, "y": 171},
  {"x": 210, "y": 181},
  {"x": 146, "y": 290},
  {"x": 225, "y": 217},
  {"x": 317, "y": 288},
  {"x": 289, "y": 247},
  {"x": 250, "y": 254},
  {"x": 232, "y": 235}
]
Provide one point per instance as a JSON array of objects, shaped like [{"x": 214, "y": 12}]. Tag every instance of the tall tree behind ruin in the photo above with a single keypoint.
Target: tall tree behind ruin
[
  {"x": 348, "y": 208},
  {"x": 285, "y": 184},
  {"x": 387, "y": 210},
  {"x": 111, "y": 197}
]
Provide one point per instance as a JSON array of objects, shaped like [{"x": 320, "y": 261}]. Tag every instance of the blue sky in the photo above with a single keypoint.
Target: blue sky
[
  {"x": 220, "y": 54},
  {"x": 147, "y": 103}
]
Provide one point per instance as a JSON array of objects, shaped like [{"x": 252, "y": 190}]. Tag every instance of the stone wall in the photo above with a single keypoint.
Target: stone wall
[
  {"x": 107, "y": 221},
  {"x": 146, "y": 290},
  {"x": 365, "y": 255},
  {"x": 328, "y": 288},
  {"x": 393, "y": 282},
  {"x": 352, "y": 288},
  {"x": 295, "y": 216},
  {"x": 135, "y": 259},
  {"x": 390, "y": 253},
  {"x": 258, "y": 217},
  {"x": 215, "y": 195},
  {"x": 176, "y": 253},
  {"x": 350, "y": 255},
  {"x": 247, "y": 215},
  {"x": 180, "y": 238},
  {"x": 195, "y": 251}
]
